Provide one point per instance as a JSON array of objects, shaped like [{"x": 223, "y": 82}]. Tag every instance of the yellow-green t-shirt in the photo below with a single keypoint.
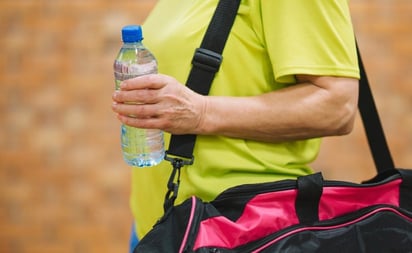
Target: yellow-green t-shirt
[{"x": 270, "y": 42}]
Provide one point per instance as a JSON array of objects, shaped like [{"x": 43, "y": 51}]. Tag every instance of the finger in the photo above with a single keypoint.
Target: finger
[
  {"x": 139, "y": 111},
  {"x": 152, "y": 81},
  {"x": 145, "y": 96},
  {"x": 147, "y": 123}
]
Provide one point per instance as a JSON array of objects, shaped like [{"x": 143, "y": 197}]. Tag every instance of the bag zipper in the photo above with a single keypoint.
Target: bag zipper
[{"x": 250, "y": 190}]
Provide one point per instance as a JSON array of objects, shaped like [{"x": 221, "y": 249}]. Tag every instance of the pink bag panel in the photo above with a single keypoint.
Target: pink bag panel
[
  {"x": 337, "y": 201},
  {"x": 264, "y": 214},
  {"x": 268, "y": 213}
]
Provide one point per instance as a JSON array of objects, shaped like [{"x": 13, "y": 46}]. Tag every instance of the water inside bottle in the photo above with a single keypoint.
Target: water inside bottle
[{"x": 142, "y": 147}]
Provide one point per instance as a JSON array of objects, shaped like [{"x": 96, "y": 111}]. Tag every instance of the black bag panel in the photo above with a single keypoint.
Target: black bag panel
[
  {"x": 385, "y": 231},
  {"x": 168, "y": 233},
  {"x": 176, "y": 231}
]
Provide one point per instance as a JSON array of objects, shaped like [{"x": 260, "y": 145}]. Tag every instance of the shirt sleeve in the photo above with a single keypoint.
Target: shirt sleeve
[{"x": 309, "y": 37}]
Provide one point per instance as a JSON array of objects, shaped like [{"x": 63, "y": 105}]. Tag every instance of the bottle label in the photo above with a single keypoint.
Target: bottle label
[
  {"x": 124, "y": 70},
  {"x": 143, "y": 69}
]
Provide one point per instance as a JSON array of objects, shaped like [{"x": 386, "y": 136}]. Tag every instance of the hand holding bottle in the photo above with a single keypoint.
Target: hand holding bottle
[{"x": 159, "y": 102}]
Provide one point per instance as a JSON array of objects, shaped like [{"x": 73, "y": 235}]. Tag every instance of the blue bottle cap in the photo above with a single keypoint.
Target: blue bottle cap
[{"x": 132, "y": 33}]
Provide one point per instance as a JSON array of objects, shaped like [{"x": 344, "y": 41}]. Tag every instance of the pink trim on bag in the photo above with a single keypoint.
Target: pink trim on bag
[
  {"x": 333, "y": 227},
  {"x": 270, "y": 212},
  {"x": 264, "y": 214},
  {"x": 192, "y": 214}
]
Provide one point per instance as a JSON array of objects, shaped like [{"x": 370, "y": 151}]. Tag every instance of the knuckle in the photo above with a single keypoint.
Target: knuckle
[
  {"x": 166, "y": 125},
  {"x": 151, "y": 78}
]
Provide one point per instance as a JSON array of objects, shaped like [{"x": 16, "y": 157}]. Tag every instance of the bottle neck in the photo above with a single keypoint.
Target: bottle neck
[
  {"x": 133, "y": 43},
  {"x": 137, "y": 44}
]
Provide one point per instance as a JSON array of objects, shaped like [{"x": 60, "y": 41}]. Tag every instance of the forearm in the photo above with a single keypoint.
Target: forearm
[
  {"x": 298, "y": 112},
  {"x": 316, "y": 106}
]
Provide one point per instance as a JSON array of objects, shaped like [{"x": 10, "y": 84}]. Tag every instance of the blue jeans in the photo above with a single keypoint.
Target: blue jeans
[{"x": 133, "y": 239}]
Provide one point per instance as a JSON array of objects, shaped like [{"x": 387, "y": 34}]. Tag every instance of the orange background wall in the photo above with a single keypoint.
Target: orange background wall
[{"x": 63, "y": 184}]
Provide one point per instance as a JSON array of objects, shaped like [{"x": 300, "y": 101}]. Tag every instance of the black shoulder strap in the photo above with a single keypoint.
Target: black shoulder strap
[
  {"x": 372, "y": 124},
  {"x": 205, "y": 63}
]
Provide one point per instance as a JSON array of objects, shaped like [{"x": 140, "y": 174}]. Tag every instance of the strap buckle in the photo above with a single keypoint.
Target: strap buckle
[
  {"x": 178, "y": 161},
  {"x": 207, "y": 60},
  {"x": 174, "y": 179}
]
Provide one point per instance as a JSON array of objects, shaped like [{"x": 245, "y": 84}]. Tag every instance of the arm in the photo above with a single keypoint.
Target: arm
[{"x": 315, "y": 107}]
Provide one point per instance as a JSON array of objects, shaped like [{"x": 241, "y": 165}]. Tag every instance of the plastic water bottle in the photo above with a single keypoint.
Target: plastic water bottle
[{"x": 140, "y": 147}]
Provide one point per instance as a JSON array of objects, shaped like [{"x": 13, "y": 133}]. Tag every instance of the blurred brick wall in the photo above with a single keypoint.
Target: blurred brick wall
[{"x": 63, "y": 185}]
